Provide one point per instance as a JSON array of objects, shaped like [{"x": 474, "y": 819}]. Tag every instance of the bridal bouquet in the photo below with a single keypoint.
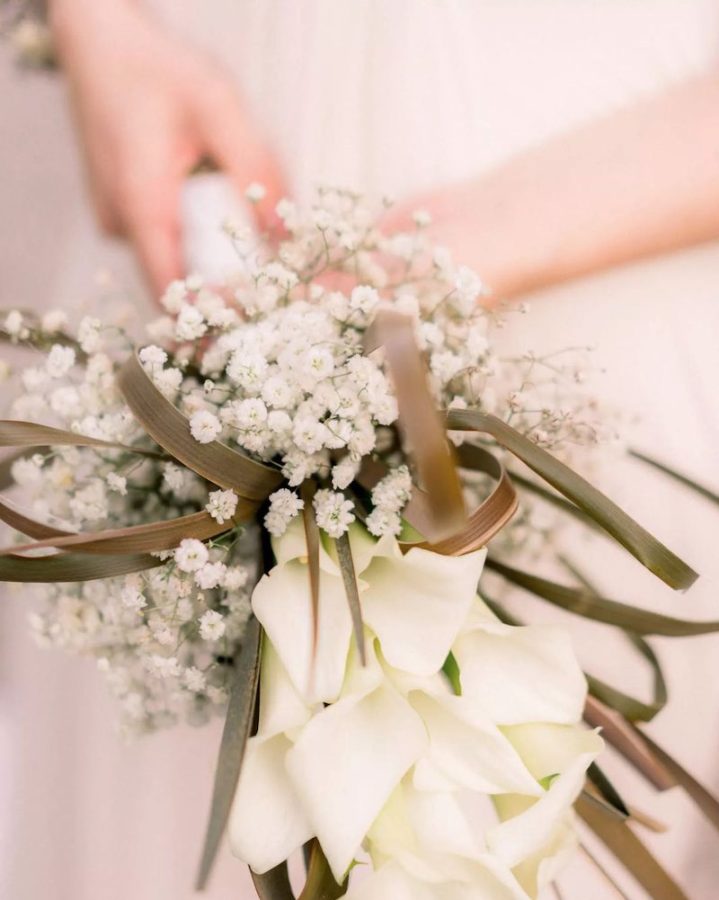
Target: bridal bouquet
[{"x": 278, "y": 506}]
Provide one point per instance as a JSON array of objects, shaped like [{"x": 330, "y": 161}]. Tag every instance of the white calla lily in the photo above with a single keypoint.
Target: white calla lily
[
  {"x": 346, "y": 763},
  {"x": 384, "y": 757}
]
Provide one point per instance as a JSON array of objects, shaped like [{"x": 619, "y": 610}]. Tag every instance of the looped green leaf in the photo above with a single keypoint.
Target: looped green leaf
[
  {"x": 630, "y": 707},
  {"x": 72, "y": 567},
  {"x": 30, "y": 434},
  {"x": 630, "y": 851},
  {"x": 637, "y": 540},
  {"x": 584, "y": 603}
]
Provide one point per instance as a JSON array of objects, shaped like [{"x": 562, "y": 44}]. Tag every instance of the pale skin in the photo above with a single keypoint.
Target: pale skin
[
  {"x": 640, "y": 182},
  {"x": 148, "y": 108}
]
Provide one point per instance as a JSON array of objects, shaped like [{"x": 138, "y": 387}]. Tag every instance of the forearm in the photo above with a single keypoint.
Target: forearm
[{"x": 640, "y": 182}]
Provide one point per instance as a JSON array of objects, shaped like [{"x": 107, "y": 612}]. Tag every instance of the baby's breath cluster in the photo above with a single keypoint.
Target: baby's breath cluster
[{"x": 272, "y": 363}]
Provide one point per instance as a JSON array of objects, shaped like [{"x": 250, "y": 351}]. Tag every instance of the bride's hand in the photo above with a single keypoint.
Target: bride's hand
[{"x": 148, "y": 107}]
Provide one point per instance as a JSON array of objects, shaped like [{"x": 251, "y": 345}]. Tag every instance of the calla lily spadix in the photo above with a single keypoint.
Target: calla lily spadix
[{"x": 442, "y": 796}]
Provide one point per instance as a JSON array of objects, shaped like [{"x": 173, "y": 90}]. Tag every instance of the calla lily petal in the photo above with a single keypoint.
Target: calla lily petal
[
  {"x": 417, "y": 604},
  {"x": 469, "y": 749},
  {"x": 521, "y": 674},
  {"x": 282, "y": 603},
  {"x": 549, "y": 749},
  {"x": 267, "y": 823},
  {"x": 281, "y": 707},
  {"x": 530, "y": 832},
  {"x": 346, "y": 763}
]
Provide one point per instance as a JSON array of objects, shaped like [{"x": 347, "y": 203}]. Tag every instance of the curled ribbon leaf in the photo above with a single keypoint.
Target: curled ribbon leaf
[
  {"x": 642, "y": 545},
  {"x": 169, "y": 428},
  {"x": 420, "y": 423}
]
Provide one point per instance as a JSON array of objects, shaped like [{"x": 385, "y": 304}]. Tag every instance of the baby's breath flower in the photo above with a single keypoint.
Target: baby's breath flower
[
  {"x": 222, "y": 505},
  {"x": 284, "y": 506},
  {"x": 153, "y": 356},
  {"x": 53, "y": 321},
  {"x": 212, "y": 625},
  {"x": 117, "y": 483},
  {"x": 334, "y": 512},
  {"x": 191, "y": 555},
  {"x": 210, "y": 576},
  {"x": 190, "y": 324},
  {"x": 205, "y": 426},
  {"x": 88, "y": 335},
  {"x": 15, "y": 324},
  {"x": 59, "y": 361}
]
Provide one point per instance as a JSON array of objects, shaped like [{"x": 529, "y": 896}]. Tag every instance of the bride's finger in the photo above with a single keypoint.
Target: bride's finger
[
  {"x": 157, "y": 243},
  {"x": 245, "y": 156}
]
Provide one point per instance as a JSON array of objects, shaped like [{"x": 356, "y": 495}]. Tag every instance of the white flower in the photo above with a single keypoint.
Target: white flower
[
  {"x": 88, "y": 335},
  {"x": 117, "y": 483},
  {"x": 175, "y": 296},
  {"x": 190, "y": 323},
  {"x": 132, "y": 599},
  {"x": 284, "y": 506},
  {"x": 318, "y": 363},
  {"x": 384, "y": 521},
  {"x": 254, "y": 192},
  {"x": 165, "y": 667},
  {"x": 468, "y": 287},
  {"x": 90, "y": 503},
  {"x": 59, "y": 361},
  {"x": 309, "y": 434},
  {"x": 364, "y": 298},
  {"x": 334, "y": 512},
  {"x": 53, "y": 321},
  {"x": 246, "y": 415},
  {"x": 212, "y": 625},
  {"x": 205, "y": 426},
  {"x": 167, "y": 381},
  {"x": 421, "y": 757},
  {"x": 153, "y": 356},
  {"x": 247, "y": 369},
  {"x": 421, "y": 218},
  {"x": 222, "y": 505},
  {"x": 236, "y": 577},
  {"x": 277, "y": 392},
  {"x": 194, "y": 680},
  {"x": 15, "y": 324},
  {"x": 210, "y": 576},
  {"x": 191, "y": 555},
  {"x": 393, "y": 491},
  {"x": 27, "y": 472},
  {"x": 343, "y": 474}
]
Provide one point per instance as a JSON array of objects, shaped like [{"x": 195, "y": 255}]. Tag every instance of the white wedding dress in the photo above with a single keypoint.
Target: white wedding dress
[{"x": 398, "y": 96}]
